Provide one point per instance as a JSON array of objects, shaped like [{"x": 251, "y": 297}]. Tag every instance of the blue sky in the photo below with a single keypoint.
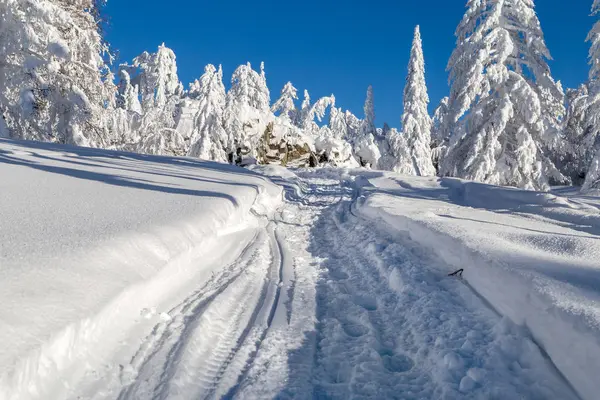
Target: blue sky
[{"x": 329, "y": 46}]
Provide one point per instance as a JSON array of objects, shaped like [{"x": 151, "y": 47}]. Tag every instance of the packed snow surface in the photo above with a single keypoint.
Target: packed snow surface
[{"x": 135, "y": 277}]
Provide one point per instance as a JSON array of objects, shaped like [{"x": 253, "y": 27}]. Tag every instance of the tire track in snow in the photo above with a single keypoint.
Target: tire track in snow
[{"x": 157, "y": 360}]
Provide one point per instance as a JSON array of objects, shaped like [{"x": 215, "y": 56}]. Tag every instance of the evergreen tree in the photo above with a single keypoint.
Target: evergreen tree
[
  {"x": 583, "y": 123},
  {"x": 286, "y": 105},
  {"x": 52, "y": 72},
  {"x": 337, "y": 123},
  {"x": 247, "y": 110},
  {"x": 209, "y": 139},
  {"x": 504, "y": 104},
  {"x": 128, "y": 96},
  {"x": 439, "y": 122},
  {"x": 416, "y": 121},
  {"x": 365, "y": 146},
  {"x": 368, "y": 124},
  {"x": 157, "y": 78}
]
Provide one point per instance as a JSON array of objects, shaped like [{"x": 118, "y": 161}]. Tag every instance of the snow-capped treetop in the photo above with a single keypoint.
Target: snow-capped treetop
[
  {"x": 337, "y": 123},
  {"x": 209, "y": 139},
  {"x": 249, "y": 87},
  {"x": 512, "y": 26},
  {"x": 368, "y": 124},
  {"x": 52, "y": 73},
  {"x": 158, "y": 78},
  {"x": 247, "y": 109},
  {"x": 501, "y": 80},
  {"x": 128, "y": 94},
  {"x": 416, "y": 121},
  {"x": 286, "y": 104},
  {"x": 353, "y": 125},
  {"x": 439, "y": 121}
]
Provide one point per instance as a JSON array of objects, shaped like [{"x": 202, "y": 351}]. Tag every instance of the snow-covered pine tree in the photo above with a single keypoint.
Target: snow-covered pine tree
[
  {"x": 302, "y": 117},
  {"x": 583, "y": 128},
  {"x": 364, "y": 143},
  {"x": 504, "y": 103},
  {"x": 155, "y": 74},
  {"x": 209, "y": 139},
  {"x": 368, "y": 124},
  {"x": 157, "y": 78},
  {"x": 128, "y": 95},
  {"x": 53, "y": 71},
  {"x": 416, "y": 121},
  {"x": 438, "y": 122},
  {"x": 286, "y": 105},
  {"x": 247, "y": 110},
  {"x": 399, "y": 158},
  {"x": 337, "y": 123},
  {"x": 363, "y": 137}
]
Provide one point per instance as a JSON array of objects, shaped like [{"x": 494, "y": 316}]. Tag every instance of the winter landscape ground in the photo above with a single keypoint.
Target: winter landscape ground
[
  {"x": 126, "y": 276},
  {"x": 456, "y": 256}
]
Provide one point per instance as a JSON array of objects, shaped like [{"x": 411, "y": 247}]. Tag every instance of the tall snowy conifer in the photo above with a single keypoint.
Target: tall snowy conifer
[
  {"x": 504, "y": 103},
  {"x": 416, "y": 121},
  {"x": 247, "y": 111},
  {"x": 52, "y": 72},
  {"x": 368, "y": 124},
  {"x": 209, "y": 139},
  {"x": 158, "y": 79},
  {"x": 365, "y": 147},
  {"x": 585, "y": 124},
  {"x": 337, "y": 123},
  {"x": 286, "y": 104}
]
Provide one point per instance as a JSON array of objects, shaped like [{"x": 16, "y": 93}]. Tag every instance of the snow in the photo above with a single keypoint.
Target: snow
[
  {"x": 531, "y": 256},
  {"x": 134, "y": 277},
  {"x": 91, "y": 236}
]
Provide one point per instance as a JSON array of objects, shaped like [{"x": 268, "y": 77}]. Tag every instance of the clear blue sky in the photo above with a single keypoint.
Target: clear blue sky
[{"x": 329, "y": 46}]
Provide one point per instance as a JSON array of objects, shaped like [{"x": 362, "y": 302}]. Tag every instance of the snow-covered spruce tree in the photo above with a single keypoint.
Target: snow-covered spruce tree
[
  {"x": 302, "y": 117},
  {"x": 438, "y": 122},
  {"x": 504, "y": 104},
  {"x": 128, "y": 95},
  {"x": 583, "y": 127},
  {"x": 247, "y": 110},
  {"x": 52, "y": 71},
  {"x": 363, "y": 142},
  {"x": 337, "y": 123},
  {"x": 368, "y": 124},
  {"x": 286, "y": 105},
  {"x": 209, "y": 139},
  {"x": 416, "y": 121},
  {"x": 157, "y": 79},
  {"x": 329, "y": 140},
  {"x": 155, "y": 74},
  {"x": 398, "y": 158}
]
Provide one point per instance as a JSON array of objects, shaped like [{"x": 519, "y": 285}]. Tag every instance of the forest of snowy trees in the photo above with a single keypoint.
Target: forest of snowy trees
[{"x": 505, "y": 121}]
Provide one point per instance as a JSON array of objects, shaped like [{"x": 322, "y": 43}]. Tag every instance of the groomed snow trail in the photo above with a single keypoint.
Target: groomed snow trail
[{"x": 323, "y": 303}]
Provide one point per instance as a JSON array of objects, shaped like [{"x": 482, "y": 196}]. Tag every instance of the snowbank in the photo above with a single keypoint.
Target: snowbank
[
  {"x": 92, "y": 241},
  {"x": 532, "y": 256}
]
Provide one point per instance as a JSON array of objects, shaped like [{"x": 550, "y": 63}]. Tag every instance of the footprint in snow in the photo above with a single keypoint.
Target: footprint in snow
[
  {"x": 396, "y": 362},
  {"x": 367, "y": 302},
  {"x": 354, "y": 329}
]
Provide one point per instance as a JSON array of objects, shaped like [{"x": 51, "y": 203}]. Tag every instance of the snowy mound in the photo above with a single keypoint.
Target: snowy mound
[{"x": 93, "y": 241}]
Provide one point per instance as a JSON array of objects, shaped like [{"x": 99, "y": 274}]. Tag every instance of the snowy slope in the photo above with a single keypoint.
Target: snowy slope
[
  {"x": 136, "y": 277},
  {"x": 532, "y": 256},
  {"x": 90, "y": 240}
]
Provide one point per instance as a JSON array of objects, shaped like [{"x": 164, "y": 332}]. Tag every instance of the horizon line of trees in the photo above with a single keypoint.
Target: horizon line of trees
[{"x": 506, "y": 121}]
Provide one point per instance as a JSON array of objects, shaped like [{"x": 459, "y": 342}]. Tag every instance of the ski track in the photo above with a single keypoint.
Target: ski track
[{"x": 325, "y": 304}]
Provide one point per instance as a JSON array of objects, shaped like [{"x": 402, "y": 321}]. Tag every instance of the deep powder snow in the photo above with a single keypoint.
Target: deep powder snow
[{"x": 135, "y": 277}]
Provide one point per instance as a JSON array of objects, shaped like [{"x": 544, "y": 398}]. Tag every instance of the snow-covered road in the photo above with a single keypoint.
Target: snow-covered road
[{"x": 339, "y": 291}]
